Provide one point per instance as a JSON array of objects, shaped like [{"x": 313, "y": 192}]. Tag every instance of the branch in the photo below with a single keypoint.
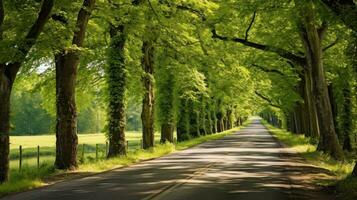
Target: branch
[
  {"x": 31, "y": 37},
  {"x": 281, "y": 52},
  {"x": 322, "y": 30},
  {"x": 267, "y": 100},
  {"x": 331, "y": 45},
  {"x": 194, "y": 11},
  {"x": 38, "y": 26},
  {"x": 82, "y": 22},
  {"x": 250, "y": 26},
  {"x": 269, "y": 70}
]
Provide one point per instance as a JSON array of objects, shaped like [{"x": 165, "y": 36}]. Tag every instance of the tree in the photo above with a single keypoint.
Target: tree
[
  {"x": 312, "y": 36},
  {"x": 116, "y": 78},
  {"x": 9, "y": 67},
  {"x": 67, "y": 62}
]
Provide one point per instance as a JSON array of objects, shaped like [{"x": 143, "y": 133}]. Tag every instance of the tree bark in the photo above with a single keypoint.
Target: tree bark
[
  {"x": 208, "y": 115},
  {"x": 220, "y": 122},
  {"x": 66, "y": 74},
  {"x": 147, "y": 114},
  {"x": 313, "y": 47},
  {"x": 314, "y": 130},
  {"x": 116, "y": 81},
  {"x": 334, "y": 108},
  {"x": 193, "y": 119},
  {"x": 346, "y": 116},
  {"x": 202, "y": 117},
  {"x": 182, "y": 124},
  {"x": 5, "y": 92},
  {"x": 166, "y": 105},
  {"x": 8, "y": 73},
  {"x": 167, "y": 132},
  {"x": 214, "y": 121}
]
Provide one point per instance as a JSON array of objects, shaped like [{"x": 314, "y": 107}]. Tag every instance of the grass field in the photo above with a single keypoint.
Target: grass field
[
  {"x": 47, "y": 147},
  {"x": 50, "y": 140}
]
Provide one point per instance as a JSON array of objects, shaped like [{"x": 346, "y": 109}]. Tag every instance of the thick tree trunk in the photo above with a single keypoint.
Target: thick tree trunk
[
  {"x": 312, "y": 41},
  {"x": 167, "y": 132},
  {"x": 66, "y": 128},
  {"x": 166, "y": 104},
  {"x": 193, "y": 119},
  {"x": 116, "y": 81},
  {"x": 202, "y": 117},
  {"x": 182, "y": 124},
  {"x": 147, "y": 114},
  {"x": 208, "y": 119},
  {"x": 214, "y": 121},
  {"x": 346, "y": 116},
  {"x": 220, "y": 122},
  {"x": 314, "y": 130},
  {"x": 5, "y": 92},
  {"x": 8, "y": 73},
  {"x": 334, "y": 110},
  {"x": 66, "y": 74},
  {"x": 229, "y": 119},
  {"x": 303, "y": 108}
]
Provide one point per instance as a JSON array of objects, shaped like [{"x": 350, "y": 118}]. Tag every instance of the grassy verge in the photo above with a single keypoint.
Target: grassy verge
[
  {"x": 32, "y": 177},
  {"x": 346, "y": 186}
]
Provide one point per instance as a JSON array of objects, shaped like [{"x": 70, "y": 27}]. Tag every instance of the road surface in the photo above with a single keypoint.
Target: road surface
[{"x": 248, "y": 165}]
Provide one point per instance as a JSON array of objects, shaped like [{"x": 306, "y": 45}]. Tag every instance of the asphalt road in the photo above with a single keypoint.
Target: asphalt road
[{"x": 248, "y": 165}]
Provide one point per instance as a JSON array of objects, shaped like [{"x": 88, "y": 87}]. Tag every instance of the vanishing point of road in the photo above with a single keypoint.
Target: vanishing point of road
[{"x": 247, "y": 165}]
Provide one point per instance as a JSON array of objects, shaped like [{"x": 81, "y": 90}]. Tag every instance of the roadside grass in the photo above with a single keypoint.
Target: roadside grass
[
  {"x": 346, "y": 186},
  {"x": 47, "y": 147},
  {"x": 32, "y": 177}
]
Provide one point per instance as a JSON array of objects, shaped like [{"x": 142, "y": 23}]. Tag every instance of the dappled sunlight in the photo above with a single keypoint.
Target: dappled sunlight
[{"x": 245, "y": 165}]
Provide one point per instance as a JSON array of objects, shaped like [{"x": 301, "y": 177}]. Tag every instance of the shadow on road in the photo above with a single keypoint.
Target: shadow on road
[{"x": 247, "y": 165}]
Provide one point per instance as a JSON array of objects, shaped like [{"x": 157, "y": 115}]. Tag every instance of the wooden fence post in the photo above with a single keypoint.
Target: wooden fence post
[
  {"x": 38, "y": 157},
  {"x": 20, "y": 161},
  {"x": 106, "y": 149},
  {"x": 83, "y": 152},
  {"x": 96, "y": 152}
]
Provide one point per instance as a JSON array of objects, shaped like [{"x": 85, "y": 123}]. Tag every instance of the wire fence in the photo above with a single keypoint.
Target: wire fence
[{"x": 36, "y": 156}]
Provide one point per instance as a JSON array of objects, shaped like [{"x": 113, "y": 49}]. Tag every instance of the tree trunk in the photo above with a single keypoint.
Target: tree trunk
[
  {"x": 346, "y": 116},
  {"x": 334, "y": 109},
  {"x": 167, "y": 132},
  {"x": 116, "y": 81},
  {"x": 182, "y": 124},
  {"x": 166, "y": 88},
  {"x": 314, "y": 130},
  {"x": 66, "y": 74},
  {"x": 220, "y": 122},
  {"x": 312, "y": 41},
  {"x": 5, "y": 92},
  {"x": 214, "y": 121},
  {"x": 303, "y": 108},
  {"x": 147, "y": 114},
  {"x": 66, "y": 127},
  {"x": 208, "y": 118},
  {"x": 193, "y": 119},
  {"x": 202, "y": 117}
]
